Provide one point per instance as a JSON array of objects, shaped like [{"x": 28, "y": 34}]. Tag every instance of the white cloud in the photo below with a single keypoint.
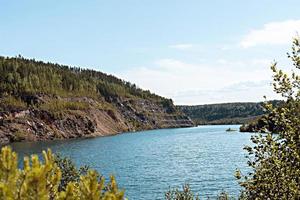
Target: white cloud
[
  {"x": 239, "y": 92},
  {"x": 182, "y": 46},
  {"x": 179, "y": 80},
  {"x": 274, "y": 33},
  {"x": 226, "y": 75},
  {"x": 173, "y": 65}
]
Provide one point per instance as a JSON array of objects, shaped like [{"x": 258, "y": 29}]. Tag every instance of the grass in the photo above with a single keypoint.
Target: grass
[
  {"x": 19, "y": 135},
  {"x": 10, "y": 102},
  {"x": 54, "y": 106}
]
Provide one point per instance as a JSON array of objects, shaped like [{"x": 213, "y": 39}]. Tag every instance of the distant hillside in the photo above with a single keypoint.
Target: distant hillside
[
  {"x": 224, "y": 113},
  {"x": 43, "y": 101}
]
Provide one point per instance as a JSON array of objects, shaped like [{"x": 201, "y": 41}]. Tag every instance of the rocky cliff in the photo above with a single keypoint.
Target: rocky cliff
[
  {"x": 123, "y": 115},
  {"x": 44, "y": 101}
]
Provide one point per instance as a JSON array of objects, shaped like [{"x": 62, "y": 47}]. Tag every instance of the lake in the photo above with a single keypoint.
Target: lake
[{"x": 146, "y": 163}]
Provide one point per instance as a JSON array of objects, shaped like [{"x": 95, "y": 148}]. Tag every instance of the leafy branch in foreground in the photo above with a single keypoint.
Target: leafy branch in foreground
[
  {"x": 187, "y": 194},
  {"x": 184, "y": 194},
  {"x": 69, "y": 171},
  {"x": 40, "y": 181},
  {"x": 275, "y": 157}
]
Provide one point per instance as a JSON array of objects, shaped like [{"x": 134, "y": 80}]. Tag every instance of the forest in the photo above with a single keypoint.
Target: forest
[
  {"x": 225, "y": 113},
  {"x": 22, "y": 78},
  {"x": 46, "y": 101}
]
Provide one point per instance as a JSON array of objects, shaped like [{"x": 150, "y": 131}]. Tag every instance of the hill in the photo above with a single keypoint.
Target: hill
[
  {"x": 44, "y": 101},
  {"x": 224, "y": 113}
]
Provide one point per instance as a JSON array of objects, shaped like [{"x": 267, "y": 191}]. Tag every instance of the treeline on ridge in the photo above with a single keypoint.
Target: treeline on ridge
[
  {"x": 21, "y": 76},
  {"x": 225, "y": 113}
]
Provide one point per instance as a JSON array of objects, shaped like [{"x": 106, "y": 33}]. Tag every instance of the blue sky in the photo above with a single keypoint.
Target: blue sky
[{"x": 194, "y": 52}]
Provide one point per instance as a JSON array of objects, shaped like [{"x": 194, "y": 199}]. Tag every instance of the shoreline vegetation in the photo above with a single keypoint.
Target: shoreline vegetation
[
  {"x": 55, "y": 178},
  {"x": 274, "y": 157},
  {"x": 226, "y": 113}
]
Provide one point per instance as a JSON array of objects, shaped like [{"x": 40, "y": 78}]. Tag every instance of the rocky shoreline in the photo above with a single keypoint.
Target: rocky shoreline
[{"x": 126, "y": 115}]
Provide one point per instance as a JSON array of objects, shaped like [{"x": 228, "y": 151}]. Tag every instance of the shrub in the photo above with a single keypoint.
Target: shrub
[
  {"x": 62, "y": 105},
  {"x": 275, "y": 158},
  {"x": 19, "y": 135},
  {"x": 184, "y": 194},
  {"x": 187, "y": 194},
  {"x": 12, "y": 103},
  {"x": 40, "y": 181},
  {"x": 69, "y": 172}
]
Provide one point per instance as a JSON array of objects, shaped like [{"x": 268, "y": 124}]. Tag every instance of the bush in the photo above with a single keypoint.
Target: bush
[
  {"x": 187, "y": 194},
  {"x": 69, "y": 172},
  {"x": 12, "y": 103},
  {"x": 184, "y": 194},
  {"x": 40, "y": 181},
  {"x": 19, "y": 135},
  {"x": 275, "y": 158},
  {"x": 62, "y": 105}
]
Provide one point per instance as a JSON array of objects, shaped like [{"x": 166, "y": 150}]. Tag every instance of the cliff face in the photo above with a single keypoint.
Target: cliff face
[
  {"x": 119, "y": 115},
  {"x": 45, "y": 101}
]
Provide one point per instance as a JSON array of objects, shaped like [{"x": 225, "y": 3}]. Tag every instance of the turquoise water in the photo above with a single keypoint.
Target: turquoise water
[{"x": 148, "y": 162}]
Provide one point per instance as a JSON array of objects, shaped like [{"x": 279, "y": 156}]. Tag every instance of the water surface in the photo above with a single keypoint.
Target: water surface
[{"x": 148, "y": 162}]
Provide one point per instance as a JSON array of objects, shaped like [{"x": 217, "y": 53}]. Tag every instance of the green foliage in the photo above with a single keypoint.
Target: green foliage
[
  {"x": 40, "y": 181},
  {"x": 168, "y": 105},
  {"x": 62, "y": 105},
  {"x": 263, "y": 124},
  {"x": 23, "y": 76},
  {"x": 223, "y": 196},
  {"x": 19, "y": 135},
  {"x": 69, "y": 171},
  {"x": 225, "y": 113},
  {"x": 184, "y": 194},
  {"x": 12, "y": 103},
  {"x": 52, "y": 88},
  {"x": 275, "y": 157},
  {"x": 187, "y": 194}
]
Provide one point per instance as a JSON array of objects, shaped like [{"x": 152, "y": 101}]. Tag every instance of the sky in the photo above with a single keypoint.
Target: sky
[{"x": 193, "y": 51}]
